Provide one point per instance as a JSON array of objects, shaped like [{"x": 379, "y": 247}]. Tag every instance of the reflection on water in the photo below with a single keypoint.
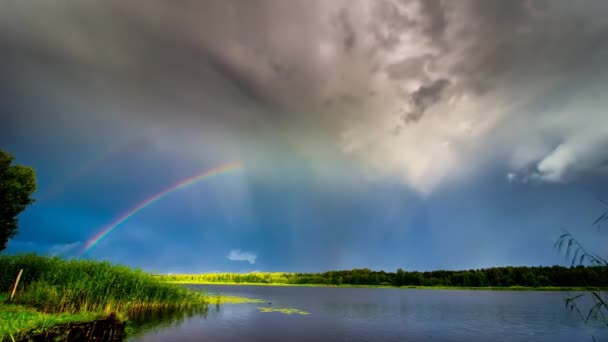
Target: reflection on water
[
  {"x": 149, "y": 321},
  {"x": 359, "y": 314}
]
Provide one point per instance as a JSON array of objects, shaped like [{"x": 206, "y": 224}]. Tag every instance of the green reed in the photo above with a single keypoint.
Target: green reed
[{"x": 59, "y": 285}]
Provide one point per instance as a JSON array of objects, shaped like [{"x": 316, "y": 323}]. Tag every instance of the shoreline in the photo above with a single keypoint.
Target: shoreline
[
  {"x": 408, "y": 287},
  {"x": 18, "y": 321},
  {"x": 22, "y": 321},
  {"x": 55, "y": 292}
]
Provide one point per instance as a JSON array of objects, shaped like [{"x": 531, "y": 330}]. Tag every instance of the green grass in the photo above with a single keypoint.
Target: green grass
[
  {"x": 17, "y": 320},
  {"x": 203, "y": 282},
  {"x": 252, "y": 277},
  {"x": 57, "y": 285},
  {"x": 54, "y": 291}
]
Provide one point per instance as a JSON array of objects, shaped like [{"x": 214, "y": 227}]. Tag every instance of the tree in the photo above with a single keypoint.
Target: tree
[
  {"x": 17, "y": 184},
  {"x": 400, "y": 277}
]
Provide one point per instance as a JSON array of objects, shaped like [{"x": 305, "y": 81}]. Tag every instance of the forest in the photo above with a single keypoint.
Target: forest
[{"x": 542, "y": 276}]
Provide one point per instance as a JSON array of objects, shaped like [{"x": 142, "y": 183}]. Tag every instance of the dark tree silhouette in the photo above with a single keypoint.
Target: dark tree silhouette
[{"x": 17, "y": 184}]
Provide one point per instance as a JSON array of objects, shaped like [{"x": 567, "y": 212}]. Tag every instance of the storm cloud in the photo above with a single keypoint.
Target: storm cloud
[{"x": 424, "y": 91}]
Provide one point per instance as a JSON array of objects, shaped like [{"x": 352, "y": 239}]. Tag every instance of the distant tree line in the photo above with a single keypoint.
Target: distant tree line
[{"x": 546, "y": 276}]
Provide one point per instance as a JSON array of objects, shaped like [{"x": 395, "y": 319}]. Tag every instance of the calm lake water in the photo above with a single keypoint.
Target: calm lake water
[{"x": 360, "y": 314}]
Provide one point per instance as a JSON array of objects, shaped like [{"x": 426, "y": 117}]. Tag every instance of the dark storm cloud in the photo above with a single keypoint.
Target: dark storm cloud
[
  {"x": 514, "y": 39},
  {"x": 436, "y": 22},
  {"x": 424, "y": 97},
  {"x": 388, "y": 21},
  {"x": 409, "y": 68},
  {"x": 317, "y": 75},
  {"x": 345, "y": 26},
  {"x": 309, "y": 92}
]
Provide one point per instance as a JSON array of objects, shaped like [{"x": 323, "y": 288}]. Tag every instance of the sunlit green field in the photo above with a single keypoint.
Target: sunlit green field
[
  {"x": 231, "y": 278},
  {"x": 293, "y": 279}
]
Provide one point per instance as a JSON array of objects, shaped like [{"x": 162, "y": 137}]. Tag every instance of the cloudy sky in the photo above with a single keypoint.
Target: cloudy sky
[{"x": 392, "y": 133}]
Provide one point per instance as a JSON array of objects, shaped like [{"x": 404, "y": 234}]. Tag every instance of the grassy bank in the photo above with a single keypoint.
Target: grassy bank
[
  {"x": 53, "y": 290},
  {"x": 472, "y": 288},
  {"x": 16, "y": 320}
]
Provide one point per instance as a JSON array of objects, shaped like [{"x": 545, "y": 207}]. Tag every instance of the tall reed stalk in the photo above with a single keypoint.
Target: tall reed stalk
[{"x": 58, "y": 285}]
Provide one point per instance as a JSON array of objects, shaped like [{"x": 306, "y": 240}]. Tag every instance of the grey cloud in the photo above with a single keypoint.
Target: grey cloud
[
  {"x": 436, "y": 24},
  {"x": 239, "y": 255},
  {"x": 578, "y": 154},
  {"x": 424, "y": 97},
  {"x": 389, "y": 21},
  {"x": 345, "y": 26},
  {"x": 511, "y": 41},
  {"x": 302, "y": 73},
  {"x": 64, "y": 249},
  {"x": 412, "y": 68},
  {"x": 59, "y": 249}
]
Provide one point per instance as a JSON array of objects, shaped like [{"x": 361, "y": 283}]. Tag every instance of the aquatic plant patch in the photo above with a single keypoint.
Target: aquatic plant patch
[
  {"x": 286, "y": 311},
  {"x": 221, "y": 299}
]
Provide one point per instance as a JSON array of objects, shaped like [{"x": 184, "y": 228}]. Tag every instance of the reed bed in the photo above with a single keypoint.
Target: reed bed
[{"x": 56, "y": 285}]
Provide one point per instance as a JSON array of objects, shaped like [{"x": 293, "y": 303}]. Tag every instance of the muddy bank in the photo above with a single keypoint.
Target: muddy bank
[{"x": 109, "y": 329}]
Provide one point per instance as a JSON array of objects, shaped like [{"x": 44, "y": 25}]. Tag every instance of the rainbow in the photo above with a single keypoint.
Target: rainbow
[{"x": 234, "y": 166}]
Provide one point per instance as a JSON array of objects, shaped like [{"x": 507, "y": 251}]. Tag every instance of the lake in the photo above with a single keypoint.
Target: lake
[{"x": 378, "y": 314}]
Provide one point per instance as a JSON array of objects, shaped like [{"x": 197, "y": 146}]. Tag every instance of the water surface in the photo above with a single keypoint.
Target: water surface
[{"x": 380, "y": 314}]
